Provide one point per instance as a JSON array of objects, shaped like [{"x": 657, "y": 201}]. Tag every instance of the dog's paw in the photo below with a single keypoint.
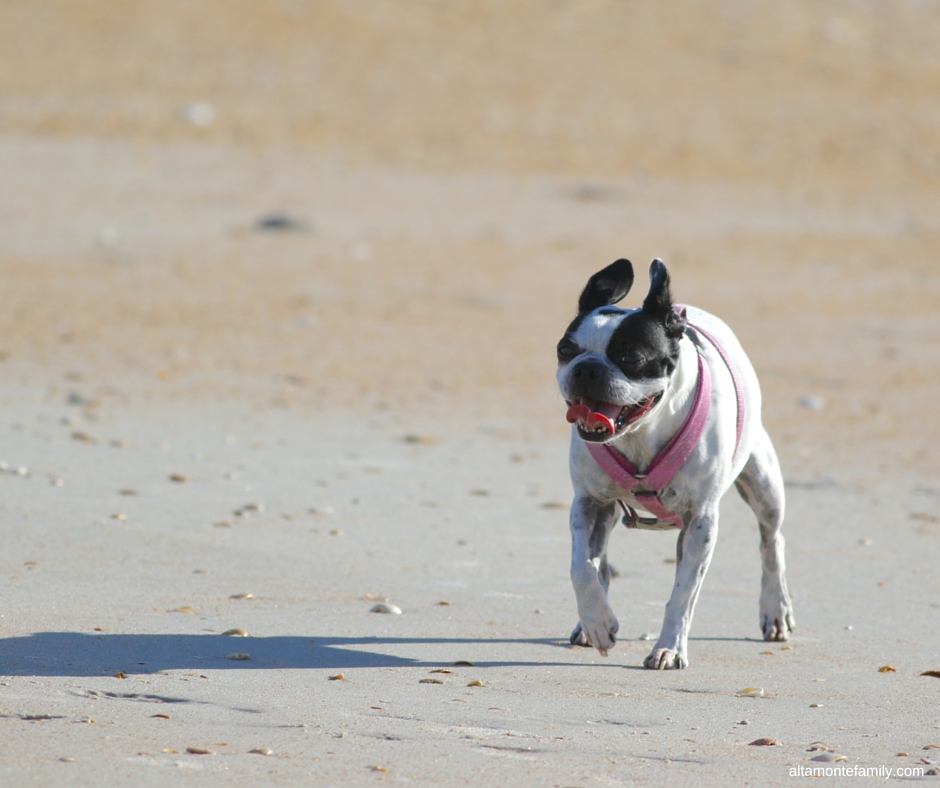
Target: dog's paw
[
  {"x": 665, "y": 659},
  {"x": 777, "y": 627},
  {"x": 600, "y": 632},
  {"x": 776, "y": 619},
  {"x": 578, "y": 638}
]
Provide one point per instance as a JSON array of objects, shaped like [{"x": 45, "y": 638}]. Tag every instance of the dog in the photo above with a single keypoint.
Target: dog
[{"x": 669, "y": 390}]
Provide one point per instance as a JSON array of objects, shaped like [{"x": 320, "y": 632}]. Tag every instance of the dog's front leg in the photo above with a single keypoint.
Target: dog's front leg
[
  {"x": 693, "y": 554},
  {"x": 591, "y": 524}
]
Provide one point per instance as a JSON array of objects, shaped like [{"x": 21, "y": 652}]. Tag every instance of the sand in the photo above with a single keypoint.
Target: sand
[{"x": 359, "y": 402}]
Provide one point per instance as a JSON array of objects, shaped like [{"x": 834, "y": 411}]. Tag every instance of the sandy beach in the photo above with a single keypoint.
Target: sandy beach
[{"x": 282, "y": 288}]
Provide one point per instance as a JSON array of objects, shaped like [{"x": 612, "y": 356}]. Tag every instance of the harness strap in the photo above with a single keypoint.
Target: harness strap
[
  {"x": 735, "y": 377},
  {"x": 667, "y": 463},
  {"x": 670, "y": 460}
]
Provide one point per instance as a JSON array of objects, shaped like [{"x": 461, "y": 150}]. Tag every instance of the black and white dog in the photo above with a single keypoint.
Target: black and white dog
[{"x": 668, "y": 390}]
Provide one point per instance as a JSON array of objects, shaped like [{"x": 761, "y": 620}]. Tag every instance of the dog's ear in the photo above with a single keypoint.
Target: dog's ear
[
  {"x": 658, "y": 303},
  {"x": 607, "y": 287}
]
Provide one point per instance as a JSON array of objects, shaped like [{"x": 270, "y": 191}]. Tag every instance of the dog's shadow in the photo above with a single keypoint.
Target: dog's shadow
[{"x": 85, "y": 654}]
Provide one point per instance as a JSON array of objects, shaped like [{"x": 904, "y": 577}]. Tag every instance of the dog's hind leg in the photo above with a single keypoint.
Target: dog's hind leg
[{"x": 761, "y": 486}]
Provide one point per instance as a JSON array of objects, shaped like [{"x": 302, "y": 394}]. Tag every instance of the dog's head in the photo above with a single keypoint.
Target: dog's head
[{"x": 614, "y": 364}]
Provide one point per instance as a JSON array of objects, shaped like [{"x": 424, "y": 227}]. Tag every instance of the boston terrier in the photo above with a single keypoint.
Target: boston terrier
[{"x": 665, "y": 414}]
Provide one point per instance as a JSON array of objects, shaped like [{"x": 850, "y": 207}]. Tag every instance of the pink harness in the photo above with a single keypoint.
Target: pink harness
[{"x": 667, "y": 463}]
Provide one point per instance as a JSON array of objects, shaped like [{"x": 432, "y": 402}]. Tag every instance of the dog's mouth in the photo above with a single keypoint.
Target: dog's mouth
[{"x": 598, "y": 420}]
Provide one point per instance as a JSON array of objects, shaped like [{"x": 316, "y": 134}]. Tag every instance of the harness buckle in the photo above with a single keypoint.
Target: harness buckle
[{"x": 648, "y": 522}]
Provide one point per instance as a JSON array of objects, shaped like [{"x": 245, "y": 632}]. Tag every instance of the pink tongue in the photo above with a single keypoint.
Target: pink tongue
[{"x": 593, "y": 413}]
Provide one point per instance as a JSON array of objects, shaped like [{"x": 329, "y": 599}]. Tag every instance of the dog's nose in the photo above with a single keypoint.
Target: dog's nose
[{"x": 590, "y": 370}]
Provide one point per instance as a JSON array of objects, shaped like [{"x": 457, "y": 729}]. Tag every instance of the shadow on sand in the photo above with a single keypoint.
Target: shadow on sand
[{"x": 81, "y": 654}]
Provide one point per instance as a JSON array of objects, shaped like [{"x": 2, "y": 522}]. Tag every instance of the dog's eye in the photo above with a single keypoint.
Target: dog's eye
[
  {"x": 567, "y": 350},
  {"x": 626, "y": 356}
]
